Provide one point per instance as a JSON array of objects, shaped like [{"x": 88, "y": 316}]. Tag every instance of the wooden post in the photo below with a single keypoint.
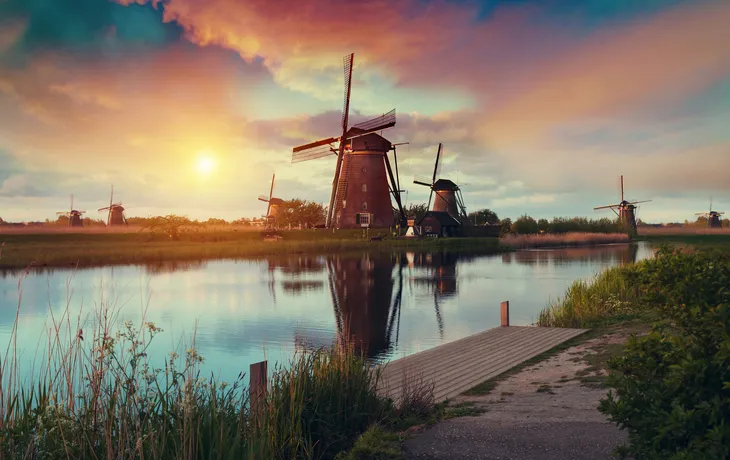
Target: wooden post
[
  {"x": 504, "y": 313},
  {"x": 257, "y": 385}
]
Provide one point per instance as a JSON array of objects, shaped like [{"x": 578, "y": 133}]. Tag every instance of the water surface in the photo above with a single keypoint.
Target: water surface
[{"x": 245, "y": 311}]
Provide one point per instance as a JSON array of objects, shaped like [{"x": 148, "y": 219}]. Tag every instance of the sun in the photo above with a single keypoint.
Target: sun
[{"x": 205, "y": 165}]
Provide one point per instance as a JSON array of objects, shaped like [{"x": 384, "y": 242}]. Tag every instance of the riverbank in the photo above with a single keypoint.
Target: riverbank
[
  {"x": 659, "y": 344},
  {"x": 96, "y": 248},
  {"x": 66, "y": 247}
]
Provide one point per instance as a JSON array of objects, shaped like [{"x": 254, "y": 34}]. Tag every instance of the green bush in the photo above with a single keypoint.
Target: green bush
[{"x": 671, "y": 389}]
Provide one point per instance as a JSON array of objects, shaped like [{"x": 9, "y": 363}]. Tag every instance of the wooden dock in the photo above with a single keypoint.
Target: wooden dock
[{"x": 457, "y": 366}]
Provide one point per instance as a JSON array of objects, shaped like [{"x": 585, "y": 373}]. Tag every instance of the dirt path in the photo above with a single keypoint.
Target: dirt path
[{"x": 543, "y": 411}]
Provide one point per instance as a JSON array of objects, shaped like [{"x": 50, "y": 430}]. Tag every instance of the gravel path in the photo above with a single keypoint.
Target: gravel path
[{"x": 546, "y": 411}]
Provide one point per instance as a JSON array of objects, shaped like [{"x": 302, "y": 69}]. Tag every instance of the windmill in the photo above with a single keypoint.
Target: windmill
[
  {"x": 713, "y": 217},
  {"x": 74, "y": 216},
  {"x": 448, "y": 194},
  {"x": 115, "y": 211},
  {"x": 361, "y": 192},
  {"x": 625, "y": 210},
  {"x": 273, "y": 208}
]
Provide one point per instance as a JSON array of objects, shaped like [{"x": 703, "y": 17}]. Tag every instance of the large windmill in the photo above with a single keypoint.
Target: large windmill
[
  {"x": 74, "y": 216},
  {"x": 273, "y": 203},
  {"x": 361, "y": 192},
  {"x": 625, "y": 210},
  {"x": 448, "y": 194},
  {"x": 115, "y": 212},
  {"x": 713, "y": 217}
]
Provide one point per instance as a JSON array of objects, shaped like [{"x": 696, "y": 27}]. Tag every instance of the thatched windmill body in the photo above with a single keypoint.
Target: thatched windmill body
[
  {"x": 625, "y": 210},
  {"x": 448, "y": 196},
  {"x": 74, "y": 215},
  {"x": 274, "y": 204},
  {"x": 713, "y": 217},
  {"x": 363, "y": 180},
  {"x": 115, "y": 212}
]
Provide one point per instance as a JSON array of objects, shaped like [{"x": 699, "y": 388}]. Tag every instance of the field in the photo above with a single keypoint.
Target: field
[
  {"x": 95, "y": 247},
  {"x": 688, "y": 237}
]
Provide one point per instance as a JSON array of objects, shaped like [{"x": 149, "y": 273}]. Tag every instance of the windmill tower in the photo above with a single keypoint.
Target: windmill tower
[
  {"x": 625, "y": 210},
  {"x": 361, "y": 192},
  {"x": 74, "y": 216},
  {"x": 274, "y": 203},
  {"x": 713, "y": 217},
  {"x": 448, "y": 194},
  {"x": 115, "y": 212}
]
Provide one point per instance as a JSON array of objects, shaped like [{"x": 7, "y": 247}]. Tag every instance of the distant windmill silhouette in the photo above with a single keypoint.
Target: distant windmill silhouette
[
  {"x": 274, "y": 203},
  {"x": 713, "y": 217},
  {"x": 625, "y": 210},
  {"x": 115, "y": 214},
  {"x": 74, "y": 216}
]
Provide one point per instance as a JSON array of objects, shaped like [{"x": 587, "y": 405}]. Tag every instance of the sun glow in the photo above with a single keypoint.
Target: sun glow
[{"x": 205, "y": 165}]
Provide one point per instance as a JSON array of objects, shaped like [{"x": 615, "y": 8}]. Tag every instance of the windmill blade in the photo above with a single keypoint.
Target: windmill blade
[
  {"x": 605, "y": 207},
  {"x": 701, "y": 213},
  {"x": 387, "y": 120},
  {"x": 319, "y": 149},
  {"x": 347, "y": 72},
  {"x": 111, "y": 200},
  {"x": 264, "y": 198},
  {"x": 436, "y": 165},
  {"x": 637, "y": 202},
  {"x": 81, "y": 212},
  {"x": 720, "y": 212},
  {"x": 271, "y": 191},
  {"x": 422, "y": 180},
  {"x": 62, "y": 213},
  {"x": 104, "y": 209}
]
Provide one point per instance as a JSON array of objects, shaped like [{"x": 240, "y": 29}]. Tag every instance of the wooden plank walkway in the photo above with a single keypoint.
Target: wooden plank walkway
[{"x": 457, "y": 366}]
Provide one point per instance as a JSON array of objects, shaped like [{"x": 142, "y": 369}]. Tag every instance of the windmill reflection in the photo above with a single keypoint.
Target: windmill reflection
[{"x": 367, "y": 311}]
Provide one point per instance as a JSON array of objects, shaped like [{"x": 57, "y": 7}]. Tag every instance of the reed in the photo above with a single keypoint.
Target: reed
[
  {"x": 609, "y": 295},
  {"x": 93, "y": 392},
  {"x": 562, "y": 240}
]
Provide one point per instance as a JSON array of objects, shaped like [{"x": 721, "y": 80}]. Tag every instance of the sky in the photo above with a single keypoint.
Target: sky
[{"x": 190, "y": 106}]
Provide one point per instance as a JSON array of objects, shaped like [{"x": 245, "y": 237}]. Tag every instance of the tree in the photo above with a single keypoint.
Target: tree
[
  {"x": 543, "y": 225},
  {"x": 525, "y": 225},
  {"x": 506, "y": 225},
  {"x": 300, "y": 212},
  {"x": 416, "y": 211},
  {"x": 484, "y": 216}
]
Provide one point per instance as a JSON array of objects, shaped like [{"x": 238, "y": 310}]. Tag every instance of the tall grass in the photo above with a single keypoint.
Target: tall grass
[
  {"x": 94, "y": 393},
  {"x": 561, "y": 240},
  {"x": 609, "y": 294}
]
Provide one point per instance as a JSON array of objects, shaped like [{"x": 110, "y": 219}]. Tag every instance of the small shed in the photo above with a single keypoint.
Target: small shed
[{"x": 439, "y": 223}]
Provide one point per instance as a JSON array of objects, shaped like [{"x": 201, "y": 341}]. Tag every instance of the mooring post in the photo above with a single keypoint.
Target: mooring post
[
  {"x": 257, "y": 385},
  {"x": 504, "y": 313}
]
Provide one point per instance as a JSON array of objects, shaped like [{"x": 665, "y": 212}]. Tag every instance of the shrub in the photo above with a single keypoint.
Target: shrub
[
  {"x": 671, "y": 389},
  {"x": 525, "y": 225}
]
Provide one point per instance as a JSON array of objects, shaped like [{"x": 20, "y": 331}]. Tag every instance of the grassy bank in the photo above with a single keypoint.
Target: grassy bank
[
  {"x": 95, "y": 248},
  {"x": 94, "y": 393},
  {"x": 669, "y": 389},
  {"x": 718, "y": 239}
]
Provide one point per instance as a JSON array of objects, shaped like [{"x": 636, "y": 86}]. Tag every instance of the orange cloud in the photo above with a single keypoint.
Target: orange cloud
[{"x": 650, "y": 63}]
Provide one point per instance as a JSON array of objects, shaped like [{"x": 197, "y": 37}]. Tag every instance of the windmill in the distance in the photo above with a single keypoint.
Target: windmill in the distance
[
  {"x": 361, "y": 192},
  {"x": 713, "y": 217},
  {"x": 115, "y": 212},
  {"x": 273, "y": 204},
  {"x": 448, "y": 194},
  {"x": 625, "y": 210},
  {"x": 74, "y": 216}
]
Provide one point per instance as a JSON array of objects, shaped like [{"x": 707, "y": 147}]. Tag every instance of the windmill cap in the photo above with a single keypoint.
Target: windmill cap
[{"x": 445, "y": 184}]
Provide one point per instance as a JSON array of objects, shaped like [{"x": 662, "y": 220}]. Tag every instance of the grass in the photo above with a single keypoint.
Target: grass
[
  {"x": 608, "y": 296},
  {"x": 95, "y": 247},
  {"x": 94, "y": 393},
  {"x": 562, "y": 240},
  {"x": 690, "y": 238}
]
